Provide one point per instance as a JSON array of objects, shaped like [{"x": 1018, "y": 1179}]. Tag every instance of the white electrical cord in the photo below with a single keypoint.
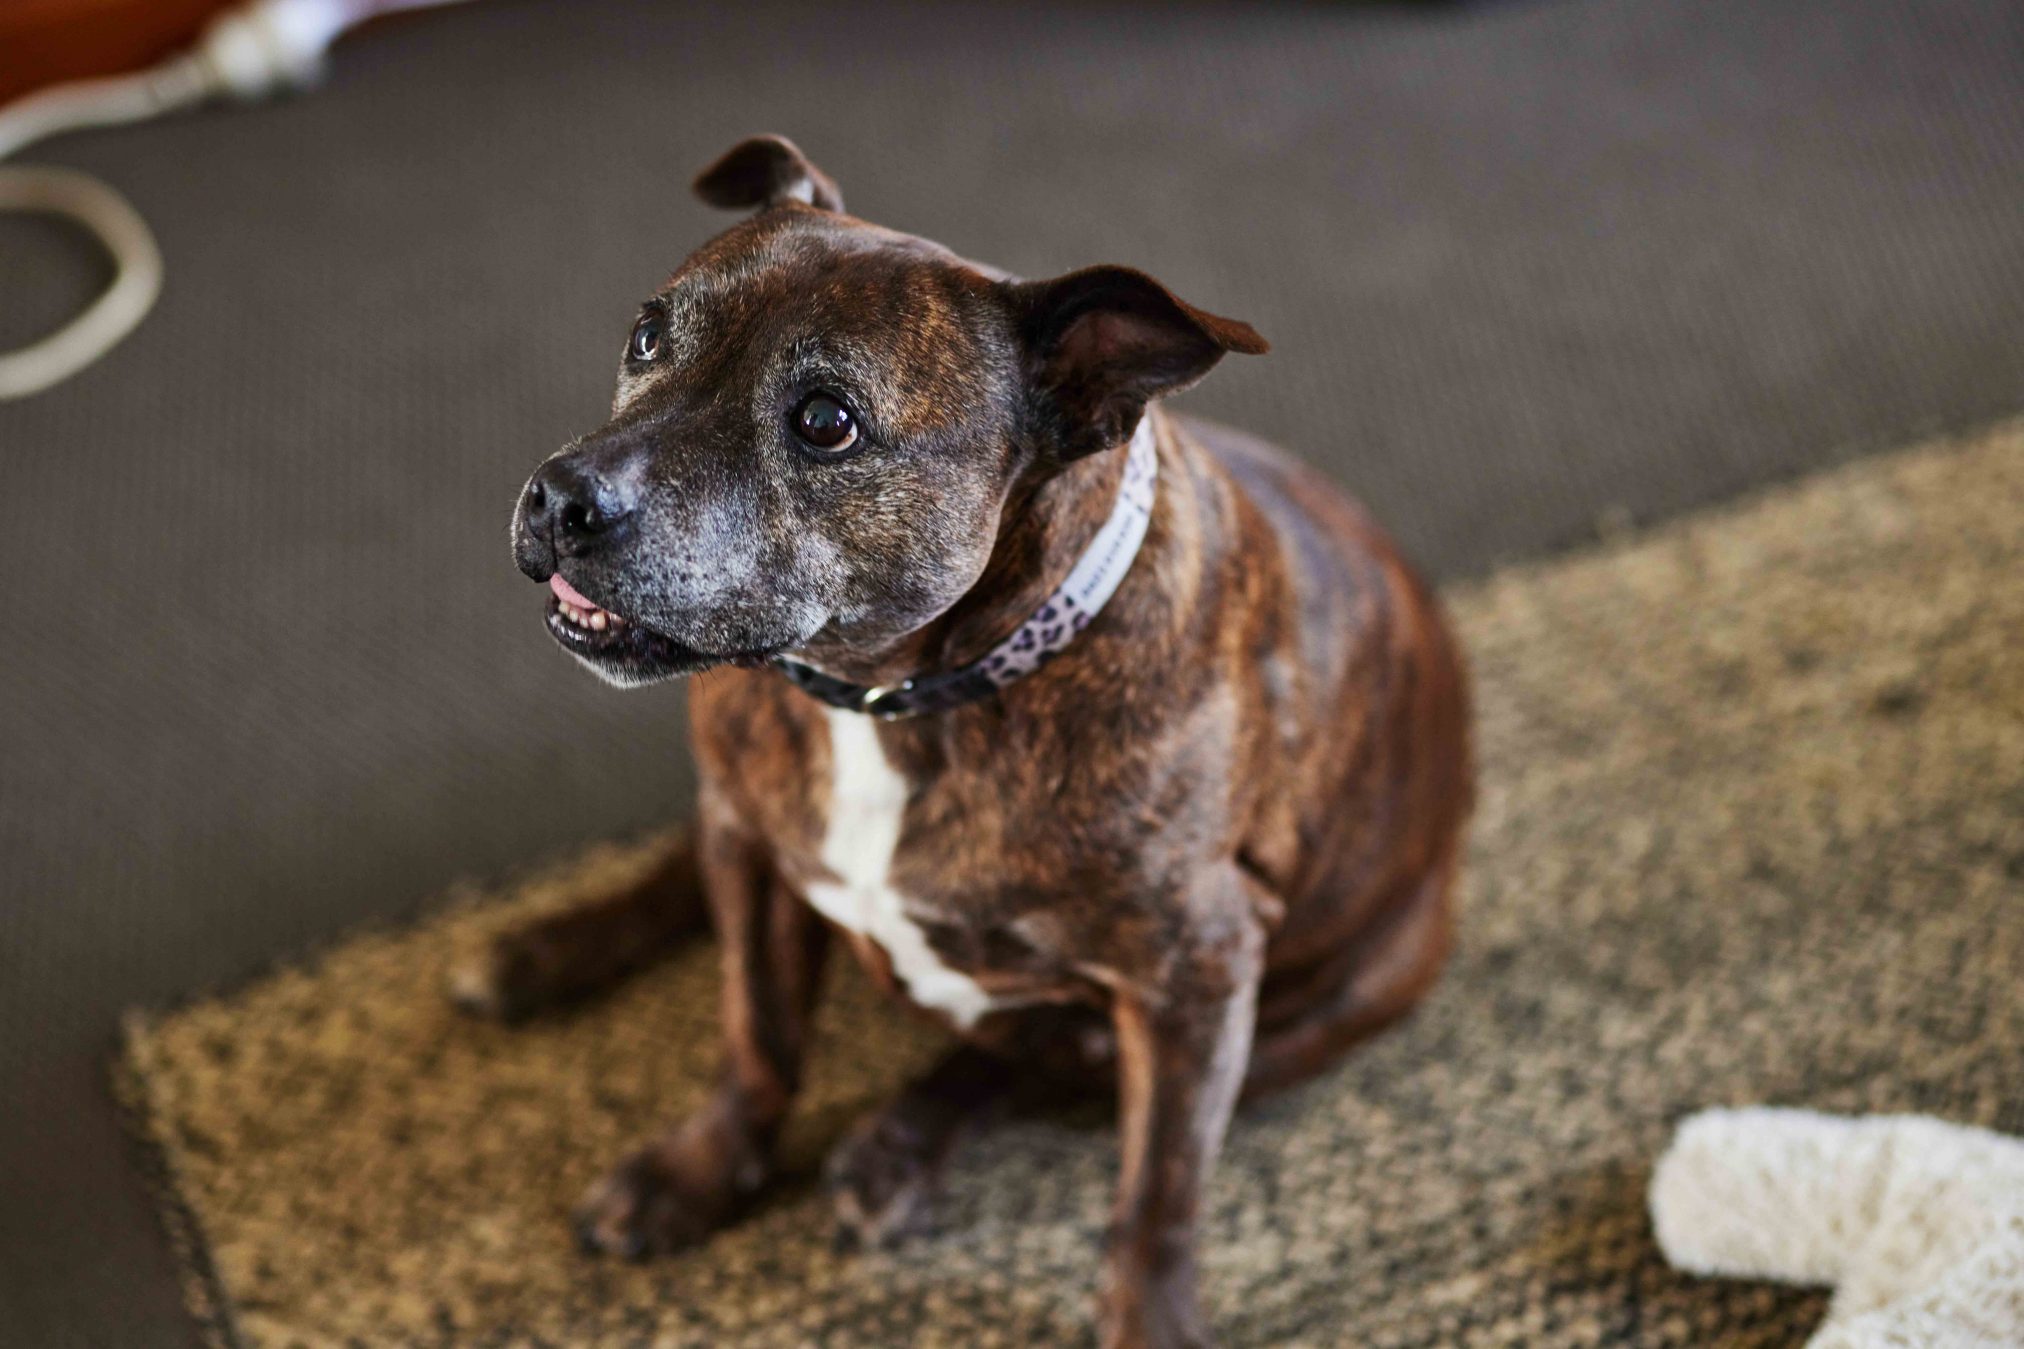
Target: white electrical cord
[{"x": 247, "y": 53}]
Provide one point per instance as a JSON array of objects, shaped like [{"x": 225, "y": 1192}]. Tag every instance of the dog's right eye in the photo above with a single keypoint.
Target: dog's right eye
[
  {"x": 825, "y": 424},
  {"x": 646, "y": 339}
]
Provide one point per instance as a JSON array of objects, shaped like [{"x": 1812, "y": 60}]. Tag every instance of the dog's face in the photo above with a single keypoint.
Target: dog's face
[{"x": 817, "y": 427}]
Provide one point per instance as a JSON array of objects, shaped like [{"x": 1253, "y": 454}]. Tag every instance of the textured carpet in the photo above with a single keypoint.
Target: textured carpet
[{"x": 1752, "y": 830}]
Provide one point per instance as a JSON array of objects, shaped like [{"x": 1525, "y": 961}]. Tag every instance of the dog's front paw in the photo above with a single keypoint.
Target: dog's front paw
[
  {"x": 670, "y": 1194},
  {"x": 882, "y": 1179}
]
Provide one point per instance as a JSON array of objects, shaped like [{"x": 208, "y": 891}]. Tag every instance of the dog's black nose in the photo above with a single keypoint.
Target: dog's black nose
[{"x": 573, "y": 510}]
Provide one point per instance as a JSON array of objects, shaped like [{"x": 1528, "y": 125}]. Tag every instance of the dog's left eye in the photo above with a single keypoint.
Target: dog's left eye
[
  {"x": 825, "y": 424},
  {"x": 646, "y": 339}
]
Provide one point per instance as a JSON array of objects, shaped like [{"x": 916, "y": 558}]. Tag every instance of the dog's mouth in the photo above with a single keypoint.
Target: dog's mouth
[{"x": 621, "y": 649}]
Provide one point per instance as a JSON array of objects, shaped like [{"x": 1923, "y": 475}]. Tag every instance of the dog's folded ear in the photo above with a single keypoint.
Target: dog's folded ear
[
  {"x": 765, "y": 171},
  {"x": 1103, "y": 342}
]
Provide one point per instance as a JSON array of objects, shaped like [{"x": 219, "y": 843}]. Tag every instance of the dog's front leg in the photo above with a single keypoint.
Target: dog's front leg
[
  {"x": 699, "y": 1174},
  {"x": 1182, "y": 1042}
]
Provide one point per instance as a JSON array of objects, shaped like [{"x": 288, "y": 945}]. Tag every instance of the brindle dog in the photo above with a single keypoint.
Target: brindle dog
[{"x": 1198, "y": 854}]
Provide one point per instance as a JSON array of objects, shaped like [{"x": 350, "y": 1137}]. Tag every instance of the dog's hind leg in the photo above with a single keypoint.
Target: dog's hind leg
[
  {"x": 587, "y": 949},
  {"x": 1373, "y": 982}
]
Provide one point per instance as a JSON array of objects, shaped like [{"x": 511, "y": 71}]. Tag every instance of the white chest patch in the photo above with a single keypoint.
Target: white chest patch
[{"x": 866, "y": 800}]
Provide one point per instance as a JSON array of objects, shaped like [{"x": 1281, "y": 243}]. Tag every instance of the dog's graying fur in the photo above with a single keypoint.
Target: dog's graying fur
[{"x": 1200, "y": 854}]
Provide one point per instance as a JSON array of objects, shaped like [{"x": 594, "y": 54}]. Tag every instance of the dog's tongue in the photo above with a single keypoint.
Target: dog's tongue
[{"x": 568, "y": 593}]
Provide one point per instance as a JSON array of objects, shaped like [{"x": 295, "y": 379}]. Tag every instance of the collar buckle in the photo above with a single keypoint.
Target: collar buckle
[{"x": 869, "y": 702}]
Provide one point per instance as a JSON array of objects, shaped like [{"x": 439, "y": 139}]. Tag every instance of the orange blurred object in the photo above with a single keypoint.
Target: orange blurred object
[{"x": 49, "y": 41}]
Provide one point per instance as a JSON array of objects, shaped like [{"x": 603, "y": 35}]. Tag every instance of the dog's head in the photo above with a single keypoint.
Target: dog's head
[{"x": 818, "y": 426}]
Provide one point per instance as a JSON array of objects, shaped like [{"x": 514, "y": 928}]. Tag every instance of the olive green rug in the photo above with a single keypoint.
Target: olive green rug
[{"x": 1752, "y": 830}]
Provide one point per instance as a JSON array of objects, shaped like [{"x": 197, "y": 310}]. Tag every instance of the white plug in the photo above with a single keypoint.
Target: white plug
[{"x": 269, "y": 46}]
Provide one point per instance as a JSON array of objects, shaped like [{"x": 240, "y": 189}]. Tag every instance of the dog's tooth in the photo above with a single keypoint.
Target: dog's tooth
[{"x": 597, "y": 621}]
